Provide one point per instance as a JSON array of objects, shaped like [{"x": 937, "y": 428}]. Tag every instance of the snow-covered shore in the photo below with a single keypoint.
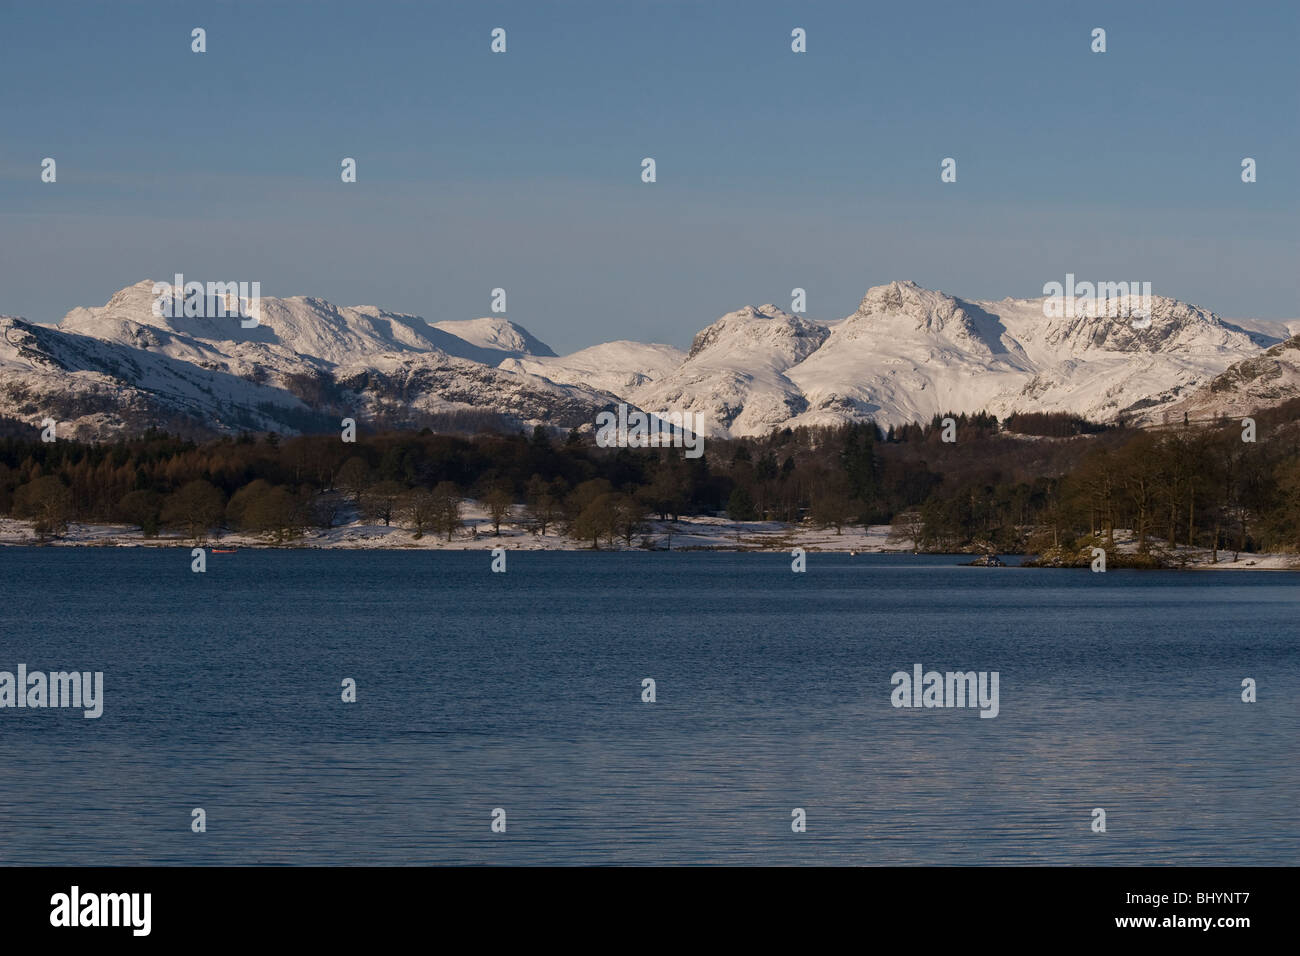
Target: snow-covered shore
[
  {"x": 1182, "y": 557},
  {"x": 693, "y": 533},
  {"x": 688, "y": 534}
]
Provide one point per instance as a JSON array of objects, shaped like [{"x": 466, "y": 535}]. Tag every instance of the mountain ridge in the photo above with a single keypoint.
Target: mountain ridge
[{"x": 906, "y": 353}]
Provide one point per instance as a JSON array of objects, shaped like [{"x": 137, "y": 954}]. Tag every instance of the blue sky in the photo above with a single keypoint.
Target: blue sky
[{"x": 522, "y": 170}]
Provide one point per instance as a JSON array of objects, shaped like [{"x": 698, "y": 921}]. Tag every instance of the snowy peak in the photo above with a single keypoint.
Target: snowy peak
[
  {"x": 925, "y": 309},
  {"x": 318, "y": 328},
  {"x": 1174, "y": 327},
  {"x": 497, "y": 335},
  {"x": 782, "y": 338},
  {"x": 903, "y": 297},
  {"x": 306, "y": 326},
  {"x": 905, "y": 308},
  {"x": 734, "y": 375}
]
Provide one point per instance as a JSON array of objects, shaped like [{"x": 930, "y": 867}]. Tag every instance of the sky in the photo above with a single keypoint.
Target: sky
[{"x": 522, "y": 170}]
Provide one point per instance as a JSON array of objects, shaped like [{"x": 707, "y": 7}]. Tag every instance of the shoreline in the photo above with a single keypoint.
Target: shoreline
[{"x": 697, "y": 534}]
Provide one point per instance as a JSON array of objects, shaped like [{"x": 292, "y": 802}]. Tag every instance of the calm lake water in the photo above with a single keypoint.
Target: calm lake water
[{"x": 523, "y": 691}]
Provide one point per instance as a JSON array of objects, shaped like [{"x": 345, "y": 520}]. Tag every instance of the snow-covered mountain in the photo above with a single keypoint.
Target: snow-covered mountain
[
  {"x": 735, "y": 372},
  {"x": 617, "y": 367},
  {"x": 908, "y": 353},
  {"x": 905, "y": 354},
  {"x": 300, "y": 327},
  {"x": 496, "y": 335},
  {"x": 1270, "y": 328},
  {"x": 1261, "y": 381},
  {"x": 303, "y": 367},
  {"x": 94, "y": 387}
]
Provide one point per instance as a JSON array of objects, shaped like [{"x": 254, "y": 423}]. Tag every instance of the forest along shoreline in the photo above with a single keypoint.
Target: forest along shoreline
[{"x": 1052, "y": 487}]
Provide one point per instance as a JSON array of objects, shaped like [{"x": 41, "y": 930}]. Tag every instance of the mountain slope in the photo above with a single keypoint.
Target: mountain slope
[
  {"x": 490, "y": 335},
  {"x": 616, "y": 367},
  {"x": 735, "y": 373},
  {"x": 1261, "y": 381},
  {"x": 304, "y": 366},
  {"x": 94, "y": 388}
]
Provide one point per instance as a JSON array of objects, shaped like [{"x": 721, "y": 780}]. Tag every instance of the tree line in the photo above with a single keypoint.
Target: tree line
[{"x": 1033, "y": 482}]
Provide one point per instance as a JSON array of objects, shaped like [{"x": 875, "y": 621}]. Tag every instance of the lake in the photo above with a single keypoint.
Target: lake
[{"x": 523, "y": 691}]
